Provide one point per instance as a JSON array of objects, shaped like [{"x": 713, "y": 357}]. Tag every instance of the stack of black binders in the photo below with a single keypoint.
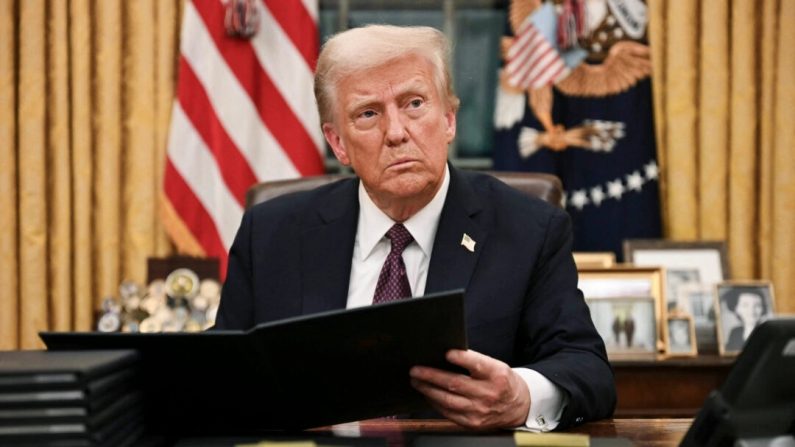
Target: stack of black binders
[{"x": 70, "y": 398}]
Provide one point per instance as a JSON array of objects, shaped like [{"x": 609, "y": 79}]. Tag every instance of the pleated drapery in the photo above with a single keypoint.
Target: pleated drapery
[
  {"x": 724, "y": 90},
  {"x": 86, "y": 89}
]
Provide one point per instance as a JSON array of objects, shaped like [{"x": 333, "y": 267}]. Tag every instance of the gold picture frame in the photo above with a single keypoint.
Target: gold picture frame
[
  {"x": 627, "y": 309},
  {"x": 680, "y": 335},
  {"x": 594, "y": 259},
  {"x": 731, "y": 321},
  {"x": 704, "y": 262}
]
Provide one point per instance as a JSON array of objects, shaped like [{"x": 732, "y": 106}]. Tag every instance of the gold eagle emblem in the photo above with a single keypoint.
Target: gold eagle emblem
[{"x": 617, "y": 58}]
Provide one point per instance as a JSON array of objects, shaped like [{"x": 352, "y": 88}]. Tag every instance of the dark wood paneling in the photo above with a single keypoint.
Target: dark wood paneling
[{"x": 667, "y": 388}]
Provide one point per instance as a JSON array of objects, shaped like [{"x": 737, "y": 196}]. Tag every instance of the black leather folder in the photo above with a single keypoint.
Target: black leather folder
[
  {"x": 93, "y": 395},
  {"x": 297, "y": 373},
  {"x": 78, "y": 413},
  {"x": 99, "y": 427},
  {"x": 42, "y": 370},
  {"x": 69, "y": 398}
]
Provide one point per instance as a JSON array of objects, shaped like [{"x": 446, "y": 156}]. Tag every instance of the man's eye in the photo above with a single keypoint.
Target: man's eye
[
  {"x": 367, "y": 114},
  {"x": 415, "y": 103}
]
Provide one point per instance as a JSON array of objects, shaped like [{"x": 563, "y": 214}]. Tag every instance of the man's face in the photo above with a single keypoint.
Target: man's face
[{"x": 393, "y": 127}]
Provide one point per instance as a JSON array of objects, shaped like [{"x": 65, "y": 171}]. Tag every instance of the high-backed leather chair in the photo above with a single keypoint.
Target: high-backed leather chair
[{"x": 534, "y": 184}]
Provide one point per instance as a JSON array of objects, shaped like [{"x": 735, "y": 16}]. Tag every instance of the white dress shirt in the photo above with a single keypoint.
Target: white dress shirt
[{"x": 370, "y": 250}]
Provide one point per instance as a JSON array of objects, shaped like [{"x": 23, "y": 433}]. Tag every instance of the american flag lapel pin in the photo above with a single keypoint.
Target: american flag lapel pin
[{"x": 468, "y": 243}]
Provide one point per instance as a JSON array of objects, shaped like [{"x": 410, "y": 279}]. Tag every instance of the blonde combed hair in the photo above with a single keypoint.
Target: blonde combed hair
[{"x": 375, "y": 45}]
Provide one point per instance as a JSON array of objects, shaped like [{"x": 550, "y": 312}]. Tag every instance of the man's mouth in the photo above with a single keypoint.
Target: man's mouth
[{"x": 402, "y": 162}]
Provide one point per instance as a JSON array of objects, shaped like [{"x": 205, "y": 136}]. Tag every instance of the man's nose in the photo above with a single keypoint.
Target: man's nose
[{"x": 396, "y": 133}]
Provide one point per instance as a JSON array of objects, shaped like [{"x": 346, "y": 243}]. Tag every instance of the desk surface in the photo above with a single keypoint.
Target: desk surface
[
  {"x": 404, "y": 433},
  {"x": 642, "y": 432}
]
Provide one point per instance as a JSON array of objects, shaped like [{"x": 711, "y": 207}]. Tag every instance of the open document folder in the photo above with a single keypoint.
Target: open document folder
[{"x": 301, "y": 372}]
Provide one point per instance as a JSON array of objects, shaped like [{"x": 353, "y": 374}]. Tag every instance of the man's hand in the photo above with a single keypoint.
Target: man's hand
[{"x": 493, "y": 396}]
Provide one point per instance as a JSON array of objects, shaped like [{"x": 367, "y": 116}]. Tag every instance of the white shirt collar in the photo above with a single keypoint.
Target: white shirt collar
[{"x": 373, "y": 223}]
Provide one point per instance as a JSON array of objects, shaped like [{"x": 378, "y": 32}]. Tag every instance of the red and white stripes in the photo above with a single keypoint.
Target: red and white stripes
[
  {"x": 244, "y": 113},
  {"x": 532, "y": 61}
]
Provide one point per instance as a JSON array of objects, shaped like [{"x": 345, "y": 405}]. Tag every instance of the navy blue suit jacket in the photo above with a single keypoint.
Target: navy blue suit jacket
[{"x": 292, "y": 256}]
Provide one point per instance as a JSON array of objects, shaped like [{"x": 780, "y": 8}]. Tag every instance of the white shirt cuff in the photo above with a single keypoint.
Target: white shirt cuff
[{"x": 547, "y": 401}]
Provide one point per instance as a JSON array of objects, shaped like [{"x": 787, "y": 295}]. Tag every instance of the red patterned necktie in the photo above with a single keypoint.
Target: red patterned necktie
[{"x": 393, "y": 284}]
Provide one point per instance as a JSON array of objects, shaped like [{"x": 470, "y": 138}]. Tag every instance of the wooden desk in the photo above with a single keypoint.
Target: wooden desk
[
  {"x": 402, "y": 433},
  {"x": 671, "y": 388},
  {"x": 642, "y": 432}
]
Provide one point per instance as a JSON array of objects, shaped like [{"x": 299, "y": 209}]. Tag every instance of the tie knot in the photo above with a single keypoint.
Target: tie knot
[{"x": 400, "y": 237}]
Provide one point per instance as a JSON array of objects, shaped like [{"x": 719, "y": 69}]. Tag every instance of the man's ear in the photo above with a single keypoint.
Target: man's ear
[
  {"x": 337, "y": 146},
  {"x": 450, "y": 131}
]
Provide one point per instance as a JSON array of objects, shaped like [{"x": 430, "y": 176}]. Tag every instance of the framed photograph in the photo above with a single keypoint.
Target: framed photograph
[
  {"x": 594, "y": 259},
  {"x": 627, "y": 309},
  {"x": 698, "y": 300},
  {"x": 687, "y": 264},
  {"x": 681, "y": 336},
  {"x": 628, "y": 326},
  {"x": 741, "y": 306}
]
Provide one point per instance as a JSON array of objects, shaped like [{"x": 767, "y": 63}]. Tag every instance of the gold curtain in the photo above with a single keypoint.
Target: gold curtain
[
  {"x": 86, "y": 89},
  {"x": 724, "y": 91}
]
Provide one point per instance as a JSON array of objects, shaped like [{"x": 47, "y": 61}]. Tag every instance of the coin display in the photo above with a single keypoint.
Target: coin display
[
  {"x": 109, "y": 304},
  {"x": 163, "y": 314},
  {"x": 157, "y": 289},
  {"x": 211, "y": 313},
  {"x": 131, "y": 326},
  {"x": 210, "y": 288},
  {"x": 182, "y": 283},
  {"x": 131, "y": 303},
  {"x": 109, "y": 322},
  {"x": 150, "y": 325},
  {"x": 181, "y": 314},
  {"x": 150, "y": 305},
  {"x": 200, "y": 303},
  {"x": 172, "y": 326},
  {"x": 192, "y": 326},
  {"x": 181, "y": 302},
  {"x": 129, "y": 289}
]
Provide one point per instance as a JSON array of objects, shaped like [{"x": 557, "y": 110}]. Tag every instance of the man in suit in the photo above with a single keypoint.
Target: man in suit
[{"x": 410, "y": 225}]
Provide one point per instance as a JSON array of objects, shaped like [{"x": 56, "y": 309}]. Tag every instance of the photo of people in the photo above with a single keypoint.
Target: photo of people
[
  {"x": 627, "y": 325},
  {"x": 680, "y": 336},
  {"x": 742, "y": 307},
  {"x": 699, "y": 301},
  {"x": 676, "y": 280}
]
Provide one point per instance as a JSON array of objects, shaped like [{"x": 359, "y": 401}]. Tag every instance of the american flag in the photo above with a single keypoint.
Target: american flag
[
  {"x": 532, "y": 59},
  {"x": 244, "y": 113}
]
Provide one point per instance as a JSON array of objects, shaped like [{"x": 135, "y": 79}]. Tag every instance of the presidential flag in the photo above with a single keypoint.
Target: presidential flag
[
  {"x": 244, "y": 113},
  {"x": 590, "y": 123}
]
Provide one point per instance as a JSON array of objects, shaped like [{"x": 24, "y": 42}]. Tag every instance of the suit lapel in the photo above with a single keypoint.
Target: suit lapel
[
  {"x": 451, "y": 262},
  {"x": 327, "y": 250}
]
